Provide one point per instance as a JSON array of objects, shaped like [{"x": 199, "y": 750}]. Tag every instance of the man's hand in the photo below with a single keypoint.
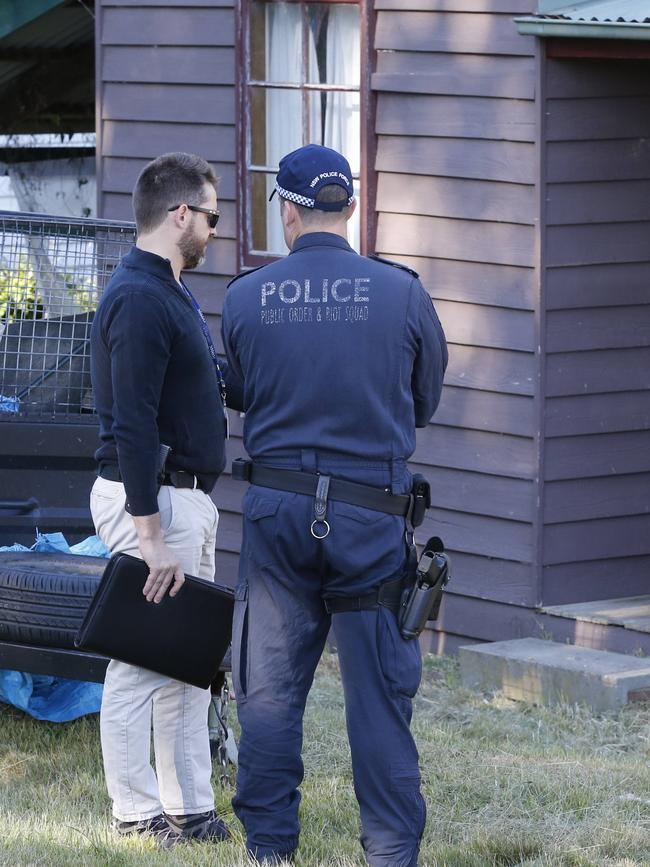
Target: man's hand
[{"x": 164, "y": 567}]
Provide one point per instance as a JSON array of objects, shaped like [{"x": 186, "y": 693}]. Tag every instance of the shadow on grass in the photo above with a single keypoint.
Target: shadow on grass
[
  {"x": 101, "y": 850},
  {"x": 482, "y": 852}
]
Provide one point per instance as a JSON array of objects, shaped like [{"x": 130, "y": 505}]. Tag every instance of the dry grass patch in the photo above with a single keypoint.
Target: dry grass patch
[{"x": 506, "y": 784}]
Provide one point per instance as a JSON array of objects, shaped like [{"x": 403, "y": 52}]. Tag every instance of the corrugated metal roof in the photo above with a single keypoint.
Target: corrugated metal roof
[
  {"x": 594, "y": 19},
  {"x": 606, "y": 11},
  {"x": 15, "y": 14},
  {"x": 59, "y": 28}
]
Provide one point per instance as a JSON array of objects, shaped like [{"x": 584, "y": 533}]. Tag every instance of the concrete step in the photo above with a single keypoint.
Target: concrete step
[
  {"x": 546, "y": 672},
  {"x": 630, "y": 612}
]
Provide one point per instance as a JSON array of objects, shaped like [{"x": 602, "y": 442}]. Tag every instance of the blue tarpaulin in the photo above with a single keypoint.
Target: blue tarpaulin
[
  {"x": 56, "y": 699},
  {"x": 9, "y": 404}
]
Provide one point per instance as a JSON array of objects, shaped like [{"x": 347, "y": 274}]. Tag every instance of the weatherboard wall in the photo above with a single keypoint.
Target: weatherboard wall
[
  {"x": 494, "y": 166},
  {"x": 457, "y": 165},
  {"x": 596, "y": 504}
]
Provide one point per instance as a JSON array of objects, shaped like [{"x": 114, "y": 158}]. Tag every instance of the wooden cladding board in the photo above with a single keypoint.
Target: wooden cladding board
[
  {"x": 456, "y": 172},
  {"x": 588, "y": 498},
  {"x": 450, "y": 117},
  {"x": 477, "y": 451},
  {"x": 168, "y": 65},
  {"x": 596, "y": 504},
  {"x": 590, "y": 286},
  {"x": 146, "y": 26},
  {"x": 489, "y": 411},
  {"x": 594, "y": 160},
  {"x": 169, "y": 103},
  {"x": 455, "y": 32},
  {"x": 466, "y": 240},
  {"x": 140, "y": 139},
  {"x": 474, "y": 282},
  {"x": 455, "y": 75},
  {"x": 600, "y": 328},
  {"x": 456, "y": 198},
  {"x": 606, "y": 201},
  {"x": 477, "y": 159},
  {"x": 593, "y": 579},
  {"x": 495, "y": 370},
  {"x": 586, "y": 78},
  {"x": 597, "y": 371},
  {"x": 486, "y": 326},
  {"x": 609, "y": 412},
  {"x": 597, "y": 118}
]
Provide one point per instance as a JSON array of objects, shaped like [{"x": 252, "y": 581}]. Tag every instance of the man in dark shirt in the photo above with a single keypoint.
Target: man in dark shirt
[
  {"x": 157, "y": 382},
  {"x": 341, "y": 357}
]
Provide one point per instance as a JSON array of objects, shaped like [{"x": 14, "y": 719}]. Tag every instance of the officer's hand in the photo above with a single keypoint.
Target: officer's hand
[{"x": 164, "y": 570}]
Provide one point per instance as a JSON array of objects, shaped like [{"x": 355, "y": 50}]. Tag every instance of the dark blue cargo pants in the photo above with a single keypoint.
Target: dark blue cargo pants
[{"x": 279, "y": 633}]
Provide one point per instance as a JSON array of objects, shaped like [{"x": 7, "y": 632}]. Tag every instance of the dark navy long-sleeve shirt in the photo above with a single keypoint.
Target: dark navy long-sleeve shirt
[
  {"x": 336, "y": 351},
  {"x": 154, "y": 381}
]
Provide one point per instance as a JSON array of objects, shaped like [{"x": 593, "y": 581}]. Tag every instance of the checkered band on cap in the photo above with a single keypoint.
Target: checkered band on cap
[
  {"x": 294, "y": 197},
  {"x": 298, "y": 199}
]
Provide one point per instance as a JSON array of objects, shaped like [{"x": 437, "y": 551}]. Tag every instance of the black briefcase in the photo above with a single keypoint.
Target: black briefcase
[{"x": 184, "y": 637}]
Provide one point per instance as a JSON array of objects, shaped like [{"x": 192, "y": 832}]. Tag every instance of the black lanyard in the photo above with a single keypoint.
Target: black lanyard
[{"x": 211, "y": 347}]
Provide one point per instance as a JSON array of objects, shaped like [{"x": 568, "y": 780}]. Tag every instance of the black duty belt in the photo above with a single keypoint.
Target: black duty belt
[
  {"x": 388, "y": 594},
  {"x": 175, "y": 478},
  {"x": 297, "y": 482}
]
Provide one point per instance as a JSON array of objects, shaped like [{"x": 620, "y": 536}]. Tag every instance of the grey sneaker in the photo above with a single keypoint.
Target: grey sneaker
[
  {"x": 157, "y": 828},
  {"x": 206, "y": 827}
]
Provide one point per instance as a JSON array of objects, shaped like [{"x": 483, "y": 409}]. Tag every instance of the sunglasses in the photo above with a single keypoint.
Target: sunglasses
[{"x": 213, "y": 216}]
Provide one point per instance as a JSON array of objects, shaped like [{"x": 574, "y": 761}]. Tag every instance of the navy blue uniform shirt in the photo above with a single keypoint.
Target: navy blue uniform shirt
[
  {"x": 337, "y": 352},
  {"x": 154, "y": 381}
]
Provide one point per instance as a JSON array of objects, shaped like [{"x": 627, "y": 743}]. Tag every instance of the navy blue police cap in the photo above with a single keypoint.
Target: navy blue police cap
[{"x": 307, "y": 170}]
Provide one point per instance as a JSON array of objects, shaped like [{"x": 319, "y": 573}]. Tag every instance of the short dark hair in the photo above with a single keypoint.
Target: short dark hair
[
  {"x": 170, "y": 179},
  {"x": 330, "y": 193}
]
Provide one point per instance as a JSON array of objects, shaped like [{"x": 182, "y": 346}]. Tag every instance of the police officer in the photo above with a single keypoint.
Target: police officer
[{"x": 341, "y": 358}]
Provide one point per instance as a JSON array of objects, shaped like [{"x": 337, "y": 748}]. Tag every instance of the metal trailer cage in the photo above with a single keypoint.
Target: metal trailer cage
[{"x": 52, "y": 273}]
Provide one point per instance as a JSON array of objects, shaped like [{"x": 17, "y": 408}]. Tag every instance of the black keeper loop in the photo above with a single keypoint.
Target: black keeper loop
[{"x": 320, "y": 503}]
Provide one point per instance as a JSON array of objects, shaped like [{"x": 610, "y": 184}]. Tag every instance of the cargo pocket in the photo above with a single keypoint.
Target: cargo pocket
[
  {"x": 256, "y": 507},
  {"x": 259, "y": 534},
  {"x": 240, "y": 655},
  {"x": 404, "y": 777},
  {"x": 400, "y": 660}
]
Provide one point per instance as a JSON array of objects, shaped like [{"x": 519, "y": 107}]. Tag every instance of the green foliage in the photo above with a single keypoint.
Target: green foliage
[
  {"x": 18, "y": 293},
  {"x": 82, "y": 293},
  {"x": 20, "y": 297}
]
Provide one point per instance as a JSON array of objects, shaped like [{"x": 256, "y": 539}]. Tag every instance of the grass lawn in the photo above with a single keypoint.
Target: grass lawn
[{"x": 505, "y": 783}]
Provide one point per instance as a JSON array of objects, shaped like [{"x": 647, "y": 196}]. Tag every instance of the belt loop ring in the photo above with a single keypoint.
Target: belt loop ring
[{"x": 317, "y": 523}]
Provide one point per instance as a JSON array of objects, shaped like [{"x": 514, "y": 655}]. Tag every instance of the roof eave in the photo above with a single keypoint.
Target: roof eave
[{"x": 530, "y": 25}]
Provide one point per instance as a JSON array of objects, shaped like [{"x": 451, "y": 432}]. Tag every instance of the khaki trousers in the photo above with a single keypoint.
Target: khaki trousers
[{"x": 135, "y": 698}]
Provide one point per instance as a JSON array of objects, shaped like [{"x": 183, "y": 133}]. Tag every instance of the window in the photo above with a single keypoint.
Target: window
[{"x": 301, "y": 82}]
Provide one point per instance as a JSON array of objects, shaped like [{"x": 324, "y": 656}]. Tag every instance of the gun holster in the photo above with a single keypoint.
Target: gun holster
[{"x": 421, "y": 601}]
